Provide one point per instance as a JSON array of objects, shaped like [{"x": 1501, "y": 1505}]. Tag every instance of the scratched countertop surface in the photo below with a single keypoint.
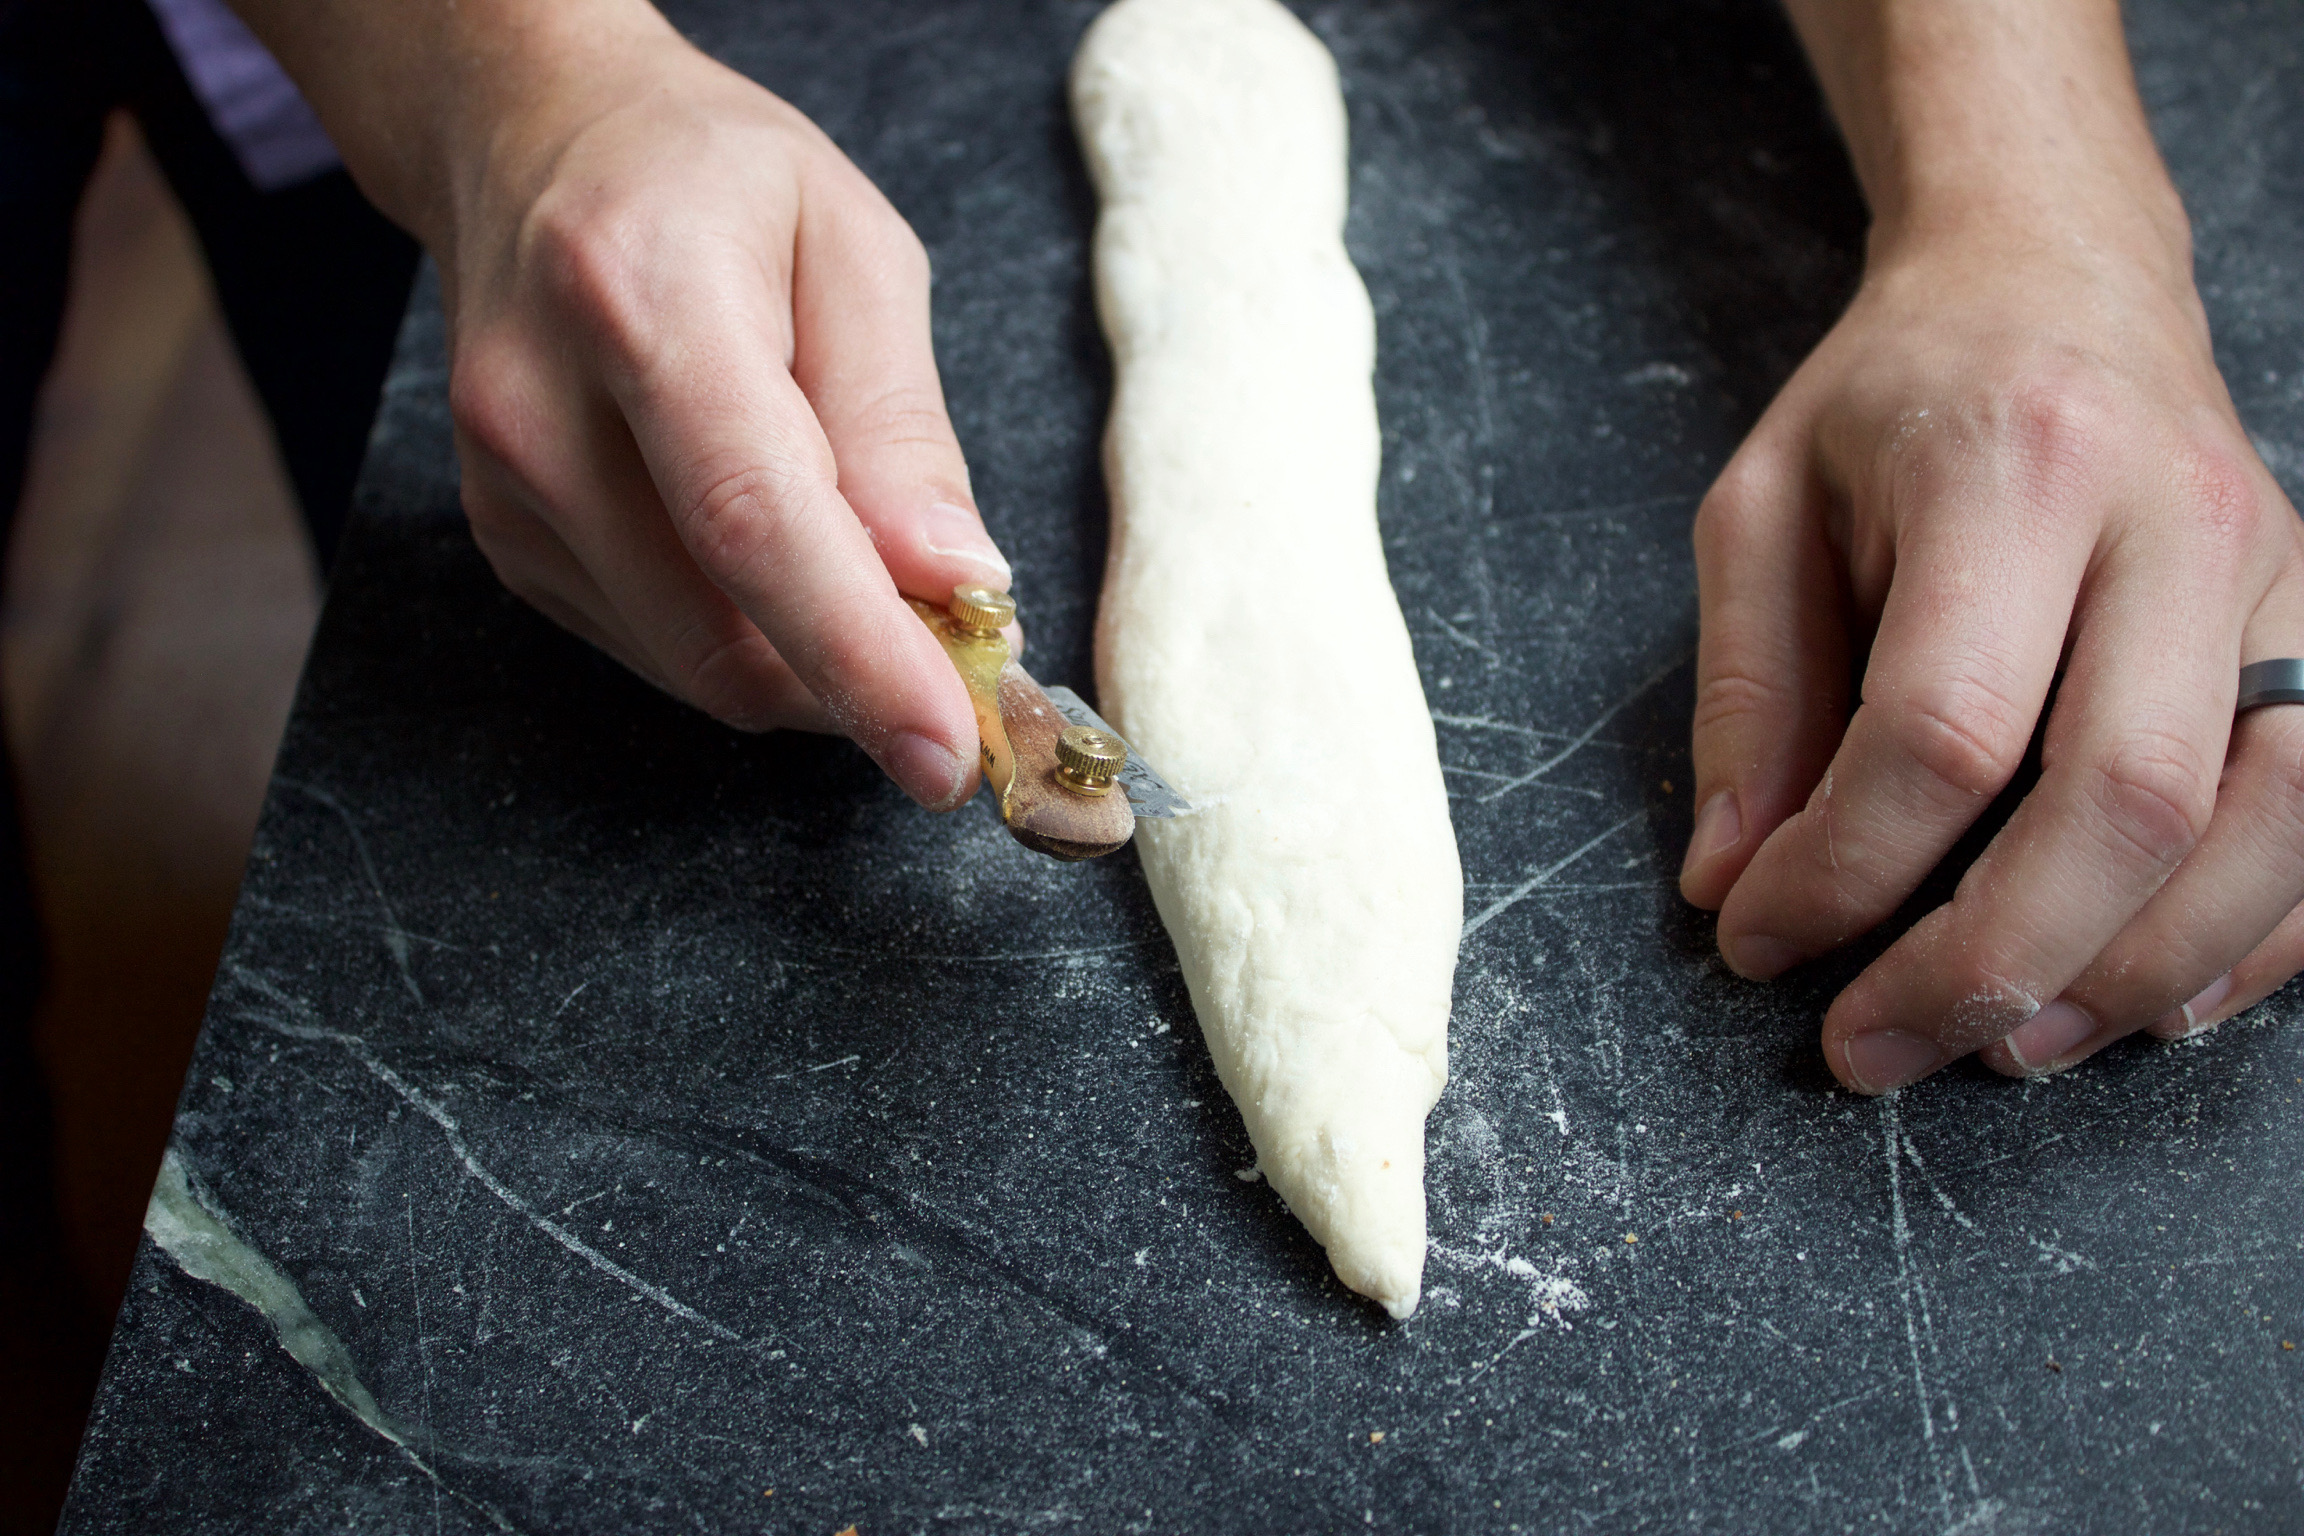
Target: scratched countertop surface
[{"x": 603, "y": 1119}]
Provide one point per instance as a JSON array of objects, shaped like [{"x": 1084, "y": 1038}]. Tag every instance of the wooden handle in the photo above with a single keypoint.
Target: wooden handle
[
  {"x": 1017, "y": 727},
  {"x": 1042, "y": 813}
]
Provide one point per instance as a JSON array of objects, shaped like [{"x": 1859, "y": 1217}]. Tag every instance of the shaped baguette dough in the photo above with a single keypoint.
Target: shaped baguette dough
[{"x": 1249, "y": 642}]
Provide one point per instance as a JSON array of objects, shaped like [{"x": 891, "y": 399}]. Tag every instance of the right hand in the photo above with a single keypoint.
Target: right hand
[{"x": 697, "y": 406}]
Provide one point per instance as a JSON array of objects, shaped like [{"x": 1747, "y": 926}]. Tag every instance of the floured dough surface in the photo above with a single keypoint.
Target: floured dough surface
[{"x": 1249, "y": 643}]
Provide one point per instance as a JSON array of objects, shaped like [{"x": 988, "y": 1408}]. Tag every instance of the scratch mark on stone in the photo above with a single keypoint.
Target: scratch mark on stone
[
  {"x": 1808, "y": 1424},
  {"x": 1550, "y": 789},
  {"x": 1558, "y": 1113},
  {"x": 1541, "y": 878},
  {"x": 395, "y": 936},
  {"x": 1516, "y": 1340},
  {"x": 1490, "y": 723},
  {"x": 2064, "y": 1259},
  {"x": 537, "y": 1219},
  {"x": 450, "y": 1130},
  {"x": 2027, "y": 1152},
  {"x": 1495, "y": 657},
  {"x": 1912, "y": 1155},
  {"x": 1586, "y": 888},
  {"x": 303, "y": 914},
  {"x": 822, "y": 1066},
  {"x": 1582, "y": 738},
  {"x": 1914, "y": 1296}
]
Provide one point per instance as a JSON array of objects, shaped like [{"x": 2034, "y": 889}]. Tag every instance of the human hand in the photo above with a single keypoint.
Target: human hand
[
  {"x": 2014, "y": 448},
  {"x": 695, "y": 399}
]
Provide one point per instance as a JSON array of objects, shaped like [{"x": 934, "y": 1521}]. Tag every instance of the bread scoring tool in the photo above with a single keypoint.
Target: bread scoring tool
[{"x": 1051, "y": 762}]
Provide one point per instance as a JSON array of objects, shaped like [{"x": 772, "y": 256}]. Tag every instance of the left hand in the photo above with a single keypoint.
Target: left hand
[{"x": 2013, "y": 454}]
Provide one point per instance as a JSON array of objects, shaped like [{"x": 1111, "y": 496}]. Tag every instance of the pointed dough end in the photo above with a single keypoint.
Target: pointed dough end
[
  {"x": 1377, "y": 1248},
  {"x": 1394, "y": 1278},
  {"x": 1362, "y": 1198}
]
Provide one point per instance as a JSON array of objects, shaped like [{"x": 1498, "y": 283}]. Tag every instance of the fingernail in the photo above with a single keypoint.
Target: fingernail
[
  {"x": 1718, "y": 826},
  {"x": 1889, "y": 1058},
  {"x": 1756, "y": 957},
  {"x": 958, "y": 534},
  {"x": 2054, "y": 1032},
  {"x": 925, "y": 770},
  {"x": 2194, "y": 1017}
]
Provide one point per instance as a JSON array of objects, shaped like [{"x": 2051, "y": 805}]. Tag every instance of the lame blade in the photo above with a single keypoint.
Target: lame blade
[{"x": 1148, "y": 793}]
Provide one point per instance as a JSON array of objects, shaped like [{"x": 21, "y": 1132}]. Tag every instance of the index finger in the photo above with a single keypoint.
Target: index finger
[
  {"x": 749, "y": 482},
  {"x": 863, "y": 355},
  {"x": 1975, "y": 617}
]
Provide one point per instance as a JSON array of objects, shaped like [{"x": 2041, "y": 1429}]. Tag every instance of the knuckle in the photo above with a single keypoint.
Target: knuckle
[
  {"x": 1963, "y": 734},
  {"x": 2059, "y": 425},
  {"x": 1730, "y": 698},
  {"x": 2222, "y": 504},
  {"x": 904, "y": 251},
  {"x": 857, "y": 227},
  {"x": 486, "y": 386},
  {"x": 2157, "y": 796},
  {"x": 1727, "y": 516},
  {"x": 884, "y": 236},
  {"x": 736, "y": 516},
  {"x": 902, "y": 415},
  {"x": 588, "y": 259}
]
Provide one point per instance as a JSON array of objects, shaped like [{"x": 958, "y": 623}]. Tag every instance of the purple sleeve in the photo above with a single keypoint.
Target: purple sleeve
[{"x": 250, "y": 99}]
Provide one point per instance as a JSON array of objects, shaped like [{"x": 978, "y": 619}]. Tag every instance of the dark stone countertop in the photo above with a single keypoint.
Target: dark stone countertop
[{"x": 620, "y": 1118}]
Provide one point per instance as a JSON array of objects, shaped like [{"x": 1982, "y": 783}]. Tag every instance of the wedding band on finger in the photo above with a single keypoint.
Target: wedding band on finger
[{"x": 2279, "y": 681}]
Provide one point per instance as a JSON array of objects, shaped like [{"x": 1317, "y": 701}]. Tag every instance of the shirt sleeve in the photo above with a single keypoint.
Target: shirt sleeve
[{"x": 251, "y": 101}]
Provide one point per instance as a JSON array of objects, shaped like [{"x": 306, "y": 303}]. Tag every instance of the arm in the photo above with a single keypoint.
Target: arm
[
  {"x": 2013, "y": 454},
  {"x": 696, "y": 404},
  {"x": 1993, "y": 116}
]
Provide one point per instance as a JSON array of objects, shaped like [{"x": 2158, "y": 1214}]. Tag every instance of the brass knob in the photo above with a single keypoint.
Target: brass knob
[
  {"x": 982, "y": 611},
  {"x": 1087, "y": 760}
]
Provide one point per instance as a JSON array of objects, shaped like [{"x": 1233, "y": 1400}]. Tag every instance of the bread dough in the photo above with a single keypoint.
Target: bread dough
[{"x": 1249, "y": 643}]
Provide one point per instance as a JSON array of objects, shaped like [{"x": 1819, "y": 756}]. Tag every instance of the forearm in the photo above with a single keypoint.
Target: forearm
[
  {"x": 1993, "y": 114},
  {"x": 420, "y": 95}
]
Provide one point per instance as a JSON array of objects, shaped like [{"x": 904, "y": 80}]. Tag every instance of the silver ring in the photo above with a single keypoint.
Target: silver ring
[{"x": 2271, "y": 682}]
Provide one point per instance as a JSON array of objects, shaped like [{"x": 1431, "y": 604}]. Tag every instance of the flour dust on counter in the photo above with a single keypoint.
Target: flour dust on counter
[{"x": 1249, "y": 640}]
